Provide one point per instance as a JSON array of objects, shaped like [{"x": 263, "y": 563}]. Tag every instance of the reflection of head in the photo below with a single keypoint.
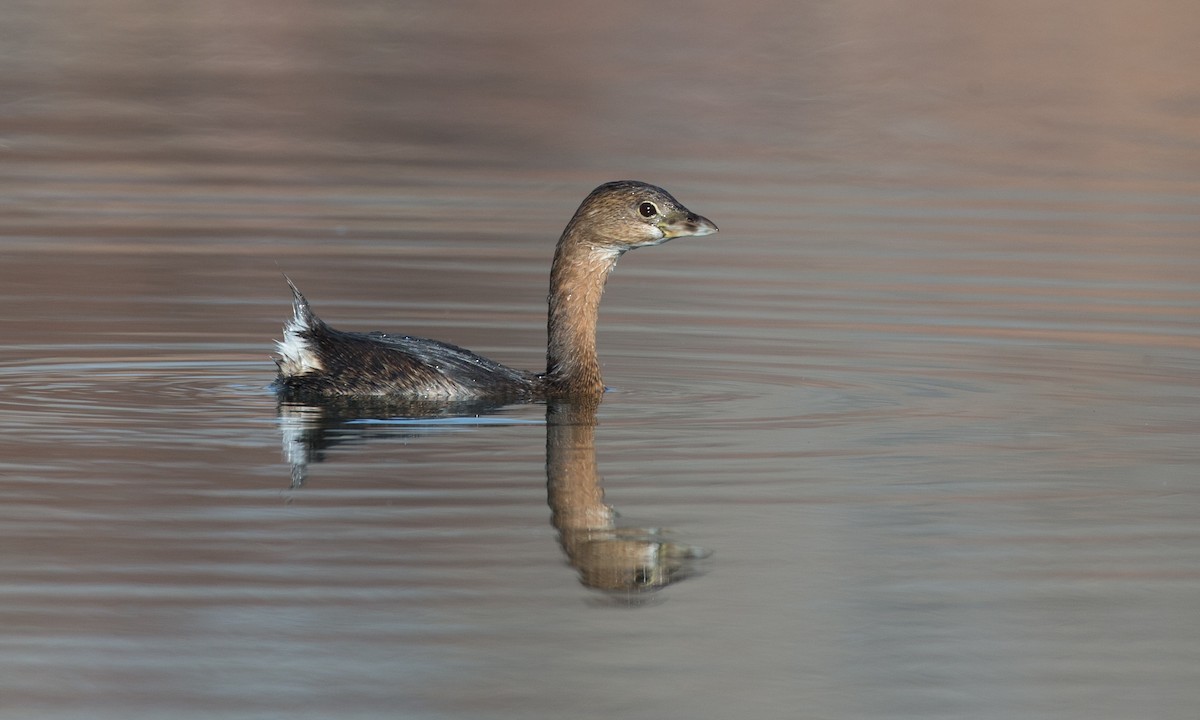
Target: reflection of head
[{"x": 629, "y": 560}]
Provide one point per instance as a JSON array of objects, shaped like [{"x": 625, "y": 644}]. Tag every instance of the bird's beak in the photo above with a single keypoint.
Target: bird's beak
[{"x": 686, "y": 224}]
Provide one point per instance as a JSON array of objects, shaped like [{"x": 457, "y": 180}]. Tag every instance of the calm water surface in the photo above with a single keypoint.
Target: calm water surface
[{"x": 915, "y": 436}]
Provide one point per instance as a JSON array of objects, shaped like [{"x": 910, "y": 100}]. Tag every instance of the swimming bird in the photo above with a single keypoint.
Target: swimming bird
[{"x": 316, "y": 360}]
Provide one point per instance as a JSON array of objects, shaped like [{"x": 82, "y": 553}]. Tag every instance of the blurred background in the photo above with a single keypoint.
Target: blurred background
[{"x": 929, "y": 397}]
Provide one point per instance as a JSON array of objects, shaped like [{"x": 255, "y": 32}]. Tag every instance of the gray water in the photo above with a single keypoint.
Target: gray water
[{"x": 915, "y": 436}]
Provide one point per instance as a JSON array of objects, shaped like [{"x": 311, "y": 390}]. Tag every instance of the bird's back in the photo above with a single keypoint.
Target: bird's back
[{"x": 320, "y": 361}]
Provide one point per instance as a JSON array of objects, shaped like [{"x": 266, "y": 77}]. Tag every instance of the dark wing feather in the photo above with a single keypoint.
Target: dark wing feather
[{"x": 381, "y": 364}]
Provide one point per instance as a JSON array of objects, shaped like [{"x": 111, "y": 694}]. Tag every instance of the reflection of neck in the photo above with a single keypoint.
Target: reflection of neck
[
  {"x": 577, "y": 280},
  {"x": 572, "y": 477}
]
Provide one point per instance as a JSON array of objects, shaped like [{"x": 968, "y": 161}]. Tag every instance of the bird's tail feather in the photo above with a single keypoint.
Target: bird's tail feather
[{"x": 296, "y": 354}]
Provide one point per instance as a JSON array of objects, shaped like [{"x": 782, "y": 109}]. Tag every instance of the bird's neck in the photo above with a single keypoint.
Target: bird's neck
[{"x": 577, "y": 280}]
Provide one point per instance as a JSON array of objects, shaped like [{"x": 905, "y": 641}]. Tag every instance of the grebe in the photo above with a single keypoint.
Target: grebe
[{"x": 316, "y": 360}]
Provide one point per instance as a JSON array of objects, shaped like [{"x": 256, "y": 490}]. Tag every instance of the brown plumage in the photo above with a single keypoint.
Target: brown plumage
[{"x": 317, "y": 360}]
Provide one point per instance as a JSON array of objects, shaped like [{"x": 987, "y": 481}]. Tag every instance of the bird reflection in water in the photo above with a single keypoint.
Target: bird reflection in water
[
  {"x": 608, "y": 557},
  {"x": 627, "y": 562}
]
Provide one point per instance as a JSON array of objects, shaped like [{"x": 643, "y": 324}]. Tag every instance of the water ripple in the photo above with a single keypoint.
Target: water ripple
[{"x": 104, "y": 392}]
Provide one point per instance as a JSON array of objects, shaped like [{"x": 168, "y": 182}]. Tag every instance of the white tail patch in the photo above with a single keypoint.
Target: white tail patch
[{"x": 296, "y": 356}]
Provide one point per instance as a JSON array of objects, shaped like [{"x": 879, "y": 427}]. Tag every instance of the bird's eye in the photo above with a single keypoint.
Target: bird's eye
[{"x": 647, "y": 209}]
